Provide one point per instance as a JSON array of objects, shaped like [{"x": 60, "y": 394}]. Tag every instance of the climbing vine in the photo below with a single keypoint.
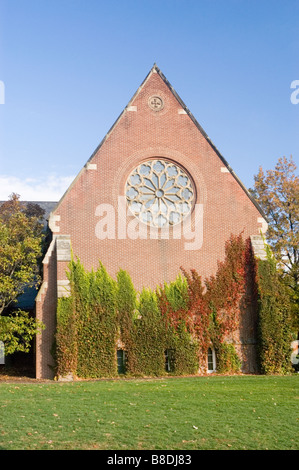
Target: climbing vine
[
  {"x": 179, "y": 335},
  {"x": 66, "y": 341},
  {"x": 87, "y": 324},
  {"x": 170, "y": 329},
  {"x": 274, "y": 319},
  {"x": 226, "y": 302}
]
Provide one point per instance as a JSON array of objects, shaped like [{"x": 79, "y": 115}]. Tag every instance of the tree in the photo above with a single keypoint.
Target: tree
[
  {"x": 277, "y": 192},
  {"x": 21, "y": 235}
]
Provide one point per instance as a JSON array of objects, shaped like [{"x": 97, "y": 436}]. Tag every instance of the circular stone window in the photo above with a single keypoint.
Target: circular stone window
[{"x": 159, "y": 193}]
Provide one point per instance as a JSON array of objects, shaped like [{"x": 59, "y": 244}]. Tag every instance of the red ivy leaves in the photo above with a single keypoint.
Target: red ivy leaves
[{"x": 212, "y": 313}]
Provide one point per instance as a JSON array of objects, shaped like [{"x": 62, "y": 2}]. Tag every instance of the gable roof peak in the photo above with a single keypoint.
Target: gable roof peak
[{"x": 155, "y": 69}]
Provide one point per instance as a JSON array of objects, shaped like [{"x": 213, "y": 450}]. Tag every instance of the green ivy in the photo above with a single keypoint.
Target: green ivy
[
  {"x": 178, "y": 338},
  {"x": 227, "y": 358},
  {"x": 87, "y": 324},
  {"x": 102, "y": 313},
  {"x": 274, "y": 320},
  {"x": 148, "y": 337},
  {"x": 179, "y": 319},
  {"x": 66, "y": 340}
]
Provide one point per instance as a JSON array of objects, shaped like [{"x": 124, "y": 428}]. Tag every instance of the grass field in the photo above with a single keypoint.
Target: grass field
[{"x": 238, "y": 412}]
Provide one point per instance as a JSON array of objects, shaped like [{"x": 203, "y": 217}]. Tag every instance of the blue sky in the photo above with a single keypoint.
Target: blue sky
[{"x": 69, "y": 67}]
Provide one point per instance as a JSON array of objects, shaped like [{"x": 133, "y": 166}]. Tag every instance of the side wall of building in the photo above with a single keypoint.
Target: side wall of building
[
  {"x": 46, "y": 302},
  {"x": 54, "y": 285}
]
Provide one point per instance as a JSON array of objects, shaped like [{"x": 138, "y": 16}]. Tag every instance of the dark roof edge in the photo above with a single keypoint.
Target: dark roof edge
[{"x": 205, "y": 135}]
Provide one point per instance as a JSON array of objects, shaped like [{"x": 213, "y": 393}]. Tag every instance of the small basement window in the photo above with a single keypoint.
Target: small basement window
[
  {"x": 211, "y": 360},
  {"x": 121, "y": 361},
  {"x": 169, "y": 359}
]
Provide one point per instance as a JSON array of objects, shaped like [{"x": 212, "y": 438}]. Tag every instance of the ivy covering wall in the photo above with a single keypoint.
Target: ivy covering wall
[
  {"x": 170, "y": 329},
  {"x": 87, "y": 324},
  {"x": 274, "y": 320}
]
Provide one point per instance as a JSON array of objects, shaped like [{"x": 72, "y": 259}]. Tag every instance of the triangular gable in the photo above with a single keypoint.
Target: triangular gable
[{"x": 155, "y": 69}]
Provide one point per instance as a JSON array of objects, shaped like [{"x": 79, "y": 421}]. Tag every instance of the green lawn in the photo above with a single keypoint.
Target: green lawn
[{"x": 240, "y": 412}]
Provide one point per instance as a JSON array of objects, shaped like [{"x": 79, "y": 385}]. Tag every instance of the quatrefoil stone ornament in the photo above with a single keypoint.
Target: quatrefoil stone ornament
[
  {"x": 159, "y": 193},
  {"x": 156, "y": 103}
]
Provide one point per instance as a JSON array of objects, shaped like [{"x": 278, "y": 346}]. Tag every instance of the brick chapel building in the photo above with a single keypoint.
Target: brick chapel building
[{"x": 155, "y": 195}]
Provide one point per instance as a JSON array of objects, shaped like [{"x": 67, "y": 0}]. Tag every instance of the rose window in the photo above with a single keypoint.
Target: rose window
[{"x": 159, "y": 193}]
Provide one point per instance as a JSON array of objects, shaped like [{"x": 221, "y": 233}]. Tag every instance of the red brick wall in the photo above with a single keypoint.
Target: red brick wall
[
  {"x": 46, "y": 313},
  {"x": 142, "y": 135}
]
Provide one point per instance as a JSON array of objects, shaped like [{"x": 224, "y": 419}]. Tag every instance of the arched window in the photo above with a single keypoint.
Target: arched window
[{"x": 211, "y": 360}]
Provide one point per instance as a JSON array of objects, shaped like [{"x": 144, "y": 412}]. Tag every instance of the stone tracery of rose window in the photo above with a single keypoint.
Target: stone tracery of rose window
[{"x": 159, "y": 193}]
